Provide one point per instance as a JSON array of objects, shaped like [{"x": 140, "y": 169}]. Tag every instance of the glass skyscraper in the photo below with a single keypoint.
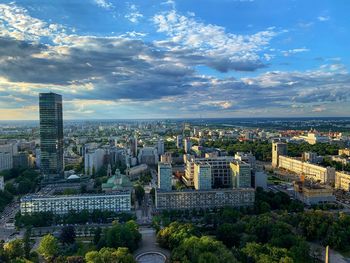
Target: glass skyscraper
[{"x": 51, "y": 136}]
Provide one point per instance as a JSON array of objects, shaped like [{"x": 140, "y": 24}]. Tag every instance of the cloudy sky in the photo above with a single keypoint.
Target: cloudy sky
[{"x": 173, "y": 59}]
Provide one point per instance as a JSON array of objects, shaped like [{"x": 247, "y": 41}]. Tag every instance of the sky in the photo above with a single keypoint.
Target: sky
[{"x": 176, "y": 58}]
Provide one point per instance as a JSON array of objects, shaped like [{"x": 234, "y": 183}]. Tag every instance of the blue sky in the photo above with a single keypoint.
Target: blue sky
[{"x": 173, "y": 59}]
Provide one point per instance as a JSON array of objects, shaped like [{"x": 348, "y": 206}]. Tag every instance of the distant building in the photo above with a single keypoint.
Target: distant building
[
  {"x": 133, "y": 146},
  {"x": 179, "y": 141},
  {"x": 6, "y": 157},
  {"x": 148, "y": 155},
  {"x": 51, "y": 136},
  {"x": 310, "y": 157},
  {"x": 187, "y": 145},
  {"x": 164, "y": 176},
  {"x": 241, "y": 174},
  {"x": 278, "y": 149},
  {"x": 93, "y": 161},
  {"x": 136, "y": 171},
  {"x": 166, "y": 158},
  {"x": 313, "y": 137},
  {"x": 202, "y": 199},
  {"x": 62, "y": 204},
  {"x": 345, "y": 152},
  {"x": 202, "y": 176},
  {"x": 160, "y": 147}
]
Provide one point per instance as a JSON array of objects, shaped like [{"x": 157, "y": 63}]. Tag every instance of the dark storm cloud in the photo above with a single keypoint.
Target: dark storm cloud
[{"x": 117, "y": 68}]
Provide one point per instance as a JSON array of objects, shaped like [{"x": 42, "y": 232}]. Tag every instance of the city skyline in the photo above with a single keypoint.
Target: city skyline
[{"x": 175, "y": 59}]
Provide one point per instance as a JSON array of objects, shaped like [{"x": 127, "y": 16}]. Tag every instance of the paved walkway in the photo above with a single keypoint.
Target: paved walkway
[{"x": 149, "y": 244}]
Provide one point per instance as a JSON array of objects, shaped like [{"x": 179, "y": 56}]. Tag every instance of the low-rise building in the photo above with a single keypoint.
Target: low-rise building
[
  {"x": 196, "y": 199},
  {"x": 310, "y": 193},
  {"x": 62, "y": 204}
]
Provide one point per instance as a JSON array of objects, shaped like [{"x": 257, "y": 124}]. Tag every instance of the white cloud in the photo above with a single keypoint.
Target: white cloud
[
  {"x": 323, "y": 18},
  {"x": 15, "y": 22},
  {"x": 294, "y": 51},
  {"x": 212, "y": 41},
  {"x": 134, "y": 16},
  {"x": 104, "y": 4}
]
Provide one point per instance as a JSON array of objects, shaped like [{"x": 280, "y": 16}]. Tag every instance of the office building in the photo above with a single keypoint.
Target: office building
[
  {"x": 202, "y": 176},
  {"x": 164, "y": 176},
  {"x": 248, "y": 158},
  {"x": 278, "y": 149},
  {"x": 202, "y": 199},
  {"x": 241, "y": 174},
  {"x": 62, "y": 204},
  {"x": 51, "y": 136},
  {"x": 220, "y": 170}
]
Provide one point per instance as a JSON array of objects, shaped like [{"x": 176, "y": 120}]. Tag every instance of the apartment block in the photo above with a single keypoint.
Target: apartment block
[
  {"x": 310, "y": 171},
  {"x": 195, "y": 199}
]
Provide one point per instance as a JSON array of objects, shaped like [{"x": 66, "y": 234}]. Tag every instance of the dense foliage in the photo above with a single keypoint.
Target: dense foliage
[
  {"x": 120, "y": 235},
  {"x": 42, "y": 219},
  {"x": 276, "y": 230}
]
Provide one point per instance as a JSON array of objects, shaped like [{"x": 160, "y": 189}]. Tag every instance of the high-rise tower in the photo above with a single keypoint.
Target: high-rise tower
[
  {"x": 278, "y": 148},
  {"x": 51, "y": 135}
]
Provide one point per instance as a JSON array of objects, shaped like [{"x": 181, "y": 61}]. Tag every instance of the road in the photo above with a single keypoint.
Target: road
[{"x": 149, "y": 243}]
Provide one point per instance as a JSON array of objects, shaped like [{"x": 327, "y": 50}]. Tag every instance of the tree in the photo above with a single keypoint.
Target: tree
[
  {"x": 198, "y": 250},
  {"x": 48, "y": 247},
  {"x": 139, "y": 192},
  {"x": 14, "y": 249},
  {"x": 75, "y": 259},
  {"x": 93, "y": 257},
  {"x": 97, "y": 235},
  {"x": 26, "y": 243},
  {"x": 67, "y": 235},
  {"x": 228, "y": 234}
]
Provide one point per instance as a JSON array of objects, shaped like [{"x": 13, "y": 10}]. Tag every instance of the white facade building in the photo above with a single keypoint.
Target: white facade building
[{"x": 61, "y": 204}]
